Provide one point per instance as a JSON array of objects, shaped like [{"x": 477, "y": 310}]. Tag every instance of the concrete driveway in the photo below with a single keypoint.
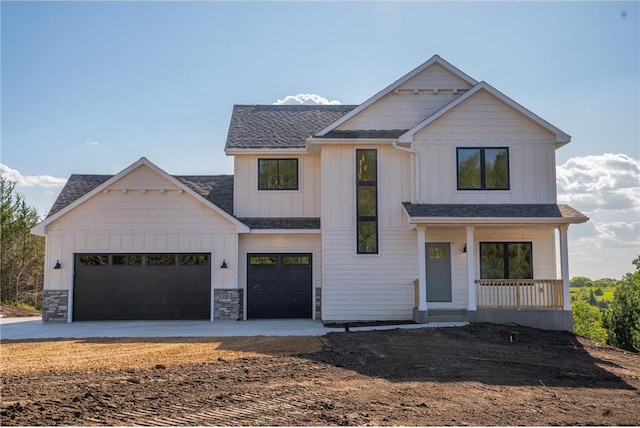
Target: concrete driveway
[{"x": 34, "y": 328}]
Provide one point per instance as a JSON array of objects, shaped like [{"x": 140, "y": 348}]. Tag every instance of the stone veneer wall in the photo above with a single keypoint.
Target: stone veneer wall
[
  {"x": 318, "y": 303},
  {"x": 227, "y": 304},
  {"x": 55, "y": 305}
]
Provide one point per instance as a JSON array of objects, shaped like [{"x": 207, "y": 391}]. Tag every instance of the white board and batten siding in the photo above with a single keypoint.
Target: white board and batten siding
[
  {"x": 366, "y": 287},
  {"x": 251, "y": 202},
  {"x": 414, "y": 100},
  {"x": 141, "y": 213},
  {"x": 484, "y": 121}
]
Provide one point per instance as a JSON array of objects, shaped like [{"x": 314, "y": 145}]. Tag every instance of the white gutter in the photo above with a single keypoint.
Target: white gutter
[{"x": 416, "y": 166}]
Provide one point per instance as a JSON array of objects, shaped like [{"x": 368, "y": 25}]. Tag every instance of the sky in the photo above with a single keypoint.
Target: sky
[{"x": 90, "y": 87}]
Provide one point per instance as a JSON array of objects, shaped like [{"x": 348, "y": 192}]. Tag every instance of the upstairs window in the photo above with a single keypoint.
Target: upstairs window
[
  {"x": 506, "y": 260},
  {"x": 485, "y": 168},
  {"x": 277, "y": 174},
  {"x": 367, "y": 200}
]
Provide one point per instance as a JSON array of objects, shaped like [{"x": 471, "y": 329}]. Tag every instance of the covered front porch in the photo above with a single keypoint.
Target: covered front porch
[{"x": 503, "y": 269}]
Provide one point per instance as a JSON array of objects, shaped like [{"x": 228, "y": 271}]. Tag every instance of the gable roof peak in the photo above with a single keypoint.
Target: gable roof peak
[
  {"x": 435, "y": 59},
  {"x": 561, "y": 137}
]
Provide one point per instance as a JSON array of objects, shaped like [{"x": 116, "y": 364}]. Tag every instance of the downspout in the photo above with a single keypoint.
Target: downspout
[{"x": 416, "y": 166}]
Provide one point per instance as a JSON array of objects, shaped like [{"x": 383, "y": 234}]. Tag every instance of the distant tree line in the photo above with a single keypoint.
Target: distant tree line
[
  {"x": 21, "y": 253},
  {"x": 616, "y": 322}
]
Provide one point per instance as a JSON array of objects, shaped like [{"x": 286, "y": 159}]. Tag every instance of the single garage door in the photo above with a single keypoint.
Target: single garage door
[
  {"x": 142, "y": 287},
  {"x": 279, "y": 286}
]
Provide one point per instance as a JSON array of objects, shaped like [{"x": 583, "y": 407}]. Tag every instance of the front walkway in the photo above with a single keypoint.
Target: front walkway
[{"x": 34, "y": 328}]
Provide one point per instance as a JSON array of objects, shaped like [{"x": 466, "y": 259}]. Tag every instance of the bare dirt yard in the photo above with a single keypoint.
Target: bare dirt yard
[
  {"x": 455, "y": 376},
  {"x": 14, "y": 311}
]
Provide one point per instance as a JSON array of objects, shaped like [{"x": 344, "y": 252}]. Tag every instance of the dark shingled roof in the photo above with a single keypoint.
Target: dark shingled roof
[
  {"x": 77, "y": 186},
  {"x": 279, "y": 126},
  {"x": 217, "y": 189},
  {"x": 282, "y": 223},
  {"x": 492, "y": 210},
  {"x": 366, "y": 133}
]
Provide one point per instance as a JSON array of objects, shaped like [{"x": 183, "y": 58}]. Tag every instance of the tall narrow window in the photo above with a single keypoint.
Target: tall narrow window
[
  {"x": 483, "y": 168},
  {"x": 277, "y": 174},
  {"x": 367, "y": 200}
]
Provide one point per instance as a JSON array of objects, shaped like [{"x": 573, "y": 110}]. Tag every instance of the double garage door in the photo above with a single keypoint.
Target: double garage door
[{"x": 166, "y": 286}]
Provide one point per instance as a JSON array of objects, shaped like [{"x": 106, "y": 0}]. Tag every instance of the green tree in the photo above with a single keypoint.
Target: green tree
[
  {"x": 592, "y": 299},
  {"x": 605, "y": 282},
  {"x": 598, "y": 292},
  {"x": 587, "y": 321},
  {"x": 21, "y": 253},
  {"x": 622, "y": 319},
  {"x": 580, "y": 281}
]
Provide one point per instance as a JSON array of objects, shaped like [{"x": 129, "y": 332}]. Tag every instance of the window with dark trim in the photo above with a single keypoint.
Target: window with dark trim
[
  {"x": 277, "y": 174},
  {"x": 367, "y": 200},
  {"x": 506, "y": 260},
  {"x": 483, "y": 168}
]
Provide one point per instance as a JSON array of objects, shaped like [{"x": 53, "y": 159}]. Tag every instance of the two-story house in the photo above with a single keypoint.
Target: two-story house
[{"x": 435, "y": 199}]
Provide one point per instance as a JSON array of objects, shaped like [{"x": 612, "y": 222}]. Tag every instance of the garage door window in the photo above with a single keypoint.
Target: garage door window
[
  {"x": 193, "y": 259},
  {"x": 93, "y": 260},
  {"x": 126, "y": 260},
  {"x": 296, "y": 260},
  {"x": 161, "y": 259},
  {"x": 262, "y": 260}
]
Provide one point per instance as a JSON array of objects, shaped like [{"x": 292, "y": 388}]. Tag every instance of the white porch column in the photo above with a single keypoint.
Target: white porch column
[
  {"x": 422, "y": 270},
  {"x": 564, "y": 267},
  {"x": 471, "y": 276}
]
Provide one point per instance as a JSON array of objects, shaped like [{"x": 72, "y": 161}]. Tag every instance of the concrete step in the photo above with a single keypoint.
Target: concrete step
[
  {"x": 447, "y": 315},
  {"x": 447, "y": 318}
]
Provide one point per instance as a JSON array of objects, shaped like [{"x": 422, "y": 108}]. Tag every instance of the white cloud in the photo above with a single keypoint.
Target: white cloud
[
  {"x": 306, "y": 99},
  {"x": 600, "y": 183},
  {"x": 91, "y": 143},
  {"x": 30, "y": 180},
  {"x": 607, "y": 189}
]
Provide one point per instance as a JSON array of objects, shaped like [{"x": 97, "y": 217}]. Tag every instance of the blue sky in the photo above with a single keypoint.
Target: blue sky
[{"x": 91, "y": 87}]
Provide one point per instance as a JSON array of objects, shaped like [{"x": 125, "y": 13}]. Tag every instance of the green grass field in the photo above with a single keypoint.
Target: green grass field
[{"x": 607, "y": 292}]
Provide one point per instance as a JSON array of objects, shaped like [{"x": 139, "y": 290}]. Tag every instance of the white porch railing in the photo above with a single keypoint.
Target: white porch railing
[{"x": 519, "y": 293}]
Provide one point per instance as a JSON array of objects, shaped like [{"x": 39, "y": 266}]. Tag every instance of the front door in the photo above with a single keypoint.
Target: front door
[{"x": 438, "y": 272}]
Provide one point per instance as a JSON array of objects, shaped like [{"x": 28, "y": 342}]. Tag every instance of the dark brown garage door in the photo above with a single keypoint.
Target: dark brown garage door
[
  {"x": 142, "y": 287},
  {"x": 279, "y": 286}
]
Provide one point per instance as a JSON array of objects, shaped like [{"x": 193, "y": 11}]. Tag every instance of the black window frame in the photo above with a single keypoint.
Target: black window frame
[
  {"x": 278, "y": 160},
  {"x": 360, "y": 219},
  {"x": 483, "y": 174},
  {"x": 505, "y": 257}
]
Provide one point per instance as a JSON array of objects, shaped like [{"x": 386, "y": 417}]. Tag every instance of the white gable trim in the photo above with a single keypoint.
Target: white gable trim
[
  {"x": 433, "y": 60},
  {"x": 561, "y": 137},
  {"x": 40, "y": 228}
]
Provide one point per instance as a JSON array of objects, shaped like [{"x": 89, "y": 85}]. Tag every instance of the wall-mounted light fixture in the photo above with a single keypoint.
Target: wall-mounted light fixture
[
  {"x": 464, "y": 249},
  {"x": 57, "y": 266},
  {"x": 223, "y": 265}
]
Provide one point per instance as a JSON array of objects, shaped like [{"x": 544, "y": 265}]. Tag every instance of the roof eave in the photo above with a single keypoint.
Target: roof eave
[
  {"x": 323, "y": 140},
  {"x": 496, "y": 220},
  {"x": 285, "y": 231},
  {"x": 264, "y": 150}
]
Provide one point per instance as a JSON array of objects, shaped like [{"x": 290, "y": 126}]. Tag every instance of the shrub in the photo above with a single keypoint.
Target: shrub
[{"x": 587, "y": 321}]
